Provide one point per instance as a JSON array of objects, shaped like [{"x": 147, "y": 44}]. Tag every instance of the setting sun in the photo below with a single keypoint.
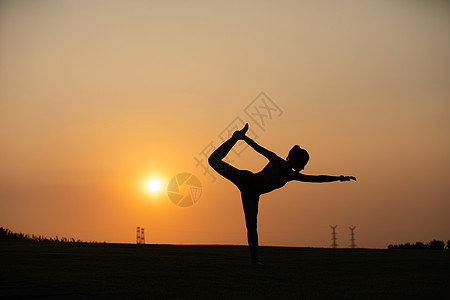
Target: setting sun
[{"x": 154, "y": 185}]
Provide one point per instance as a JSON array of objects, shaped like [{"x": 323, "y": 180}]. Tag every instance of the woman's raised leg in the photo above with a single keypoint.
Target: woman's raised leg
[{"x": 215, "y": 160}]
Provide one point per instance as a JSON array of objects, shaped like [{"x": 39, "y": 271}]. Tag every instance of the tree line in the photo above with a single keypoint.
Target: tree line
[
  {"x": 433, "y": 245},
  {"x": 9, "y": 235}
]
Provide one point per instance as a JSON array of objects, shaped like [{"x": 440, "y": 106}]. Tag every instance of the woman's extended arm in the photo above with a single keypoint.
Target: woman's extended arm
[
  {"x": 261, "y": 150},
  {"x": 321, "y": 178}
]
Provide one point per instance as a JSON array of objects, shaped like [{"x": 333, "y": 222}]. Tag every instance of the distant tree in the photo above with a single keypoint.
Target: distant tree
[
  {"x": 436, "y": 245},
  {"x": 448, "y": 245},
  {"x": 3, "y": 233}
]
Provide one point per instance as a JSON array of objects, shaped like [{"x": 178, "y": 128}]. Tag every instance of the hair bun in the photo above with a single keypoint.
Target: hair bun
[{"x": 298, "y": 153}]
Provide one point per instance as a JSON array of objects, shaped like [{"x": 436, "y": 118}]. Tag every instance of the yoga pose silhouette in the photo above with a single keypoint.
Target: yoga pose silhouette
[{"x": 274, "y": 175}]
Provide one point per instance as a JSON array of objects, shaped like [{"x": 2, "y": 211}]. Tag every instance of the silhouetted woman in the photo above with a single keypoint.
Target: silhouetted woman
[{"x": 274, "y": 175}]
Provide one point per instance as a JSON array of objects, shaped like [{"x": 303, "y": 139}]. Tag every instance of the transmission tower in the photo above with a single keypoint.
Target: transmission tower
[
  {"x": 352, "y": 234},
  {"x": 138, "y": 235},
  {"x": 334, "y": 239},
  {"x": 142, "y": 236}
]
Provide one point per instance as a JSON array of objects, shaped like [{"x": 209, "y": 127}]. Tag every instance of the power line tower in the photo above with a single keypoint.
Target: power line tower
[
  {"x": 334, "y": 239},
  {"x": 352, "y": 234},
  {"x": 142, "y": 236},
  {"x": 138, "y": 235}
]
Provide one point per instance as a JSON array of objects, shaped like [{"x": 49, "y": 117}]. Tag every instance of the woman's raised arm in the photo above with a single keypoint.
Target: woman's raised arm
[
  {"x": 261, "y": 150},
  {"x": 321, "y": 178}
]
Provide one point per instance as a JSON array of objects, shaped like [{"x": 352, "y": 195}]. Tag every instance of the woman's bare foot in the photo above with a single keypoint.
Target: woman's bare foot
[{"x": 239, "y": 134}]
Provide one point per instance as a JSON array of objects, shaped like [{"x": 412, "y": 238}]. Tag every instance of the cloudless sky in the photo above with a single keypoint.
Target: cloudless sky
[{"x": 98, "y": 97}]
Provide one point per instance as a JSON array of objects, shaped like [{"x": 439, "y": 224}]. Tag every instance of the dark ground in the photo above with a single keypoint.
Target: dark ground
[{"x": 32, "y": 270}]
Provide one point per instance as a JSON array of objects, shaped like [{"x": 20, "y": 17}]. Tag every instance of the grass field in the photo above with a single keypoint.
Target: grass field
[{"x": 120, "y": 271}]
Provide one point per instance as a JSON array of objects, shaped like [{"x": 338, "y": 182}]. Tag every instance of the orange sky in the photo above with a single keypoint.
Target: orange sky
[{"x": 98, "y": 97}]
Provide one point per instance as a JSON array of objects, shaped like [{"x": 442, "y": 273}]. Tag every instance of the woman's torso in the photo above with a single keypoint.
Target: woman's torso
[{"x": 273, "y": 176}]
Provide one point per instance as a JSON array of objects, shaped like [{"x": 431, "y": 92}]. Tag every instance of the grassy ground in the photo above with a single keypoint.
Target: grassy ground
[{"x": 116, "y": 271}]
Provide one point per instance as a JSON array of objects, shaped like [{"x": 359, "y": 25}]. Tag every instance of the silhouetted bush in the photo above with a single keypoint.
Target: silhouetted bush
[
  {"x": 448, "y": 245},
  {"x": 437, "y": 245},
  {"x": 420, "y": 245}
]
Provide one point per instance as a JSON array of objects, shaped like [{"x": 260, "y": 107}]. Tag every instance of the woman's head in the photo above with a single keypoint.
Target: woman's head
[{"x": 298, "y": 158}]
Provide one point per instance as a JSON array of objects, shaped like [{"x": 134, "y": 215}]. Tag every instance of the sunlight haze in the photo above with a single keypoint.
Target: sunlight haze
[{"x": 97, "y": 98}]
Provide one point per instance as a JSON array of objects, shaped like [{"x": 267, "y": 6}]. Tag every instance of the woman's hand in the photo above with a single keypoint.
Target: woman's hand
[{"x": 346, "y": 178}]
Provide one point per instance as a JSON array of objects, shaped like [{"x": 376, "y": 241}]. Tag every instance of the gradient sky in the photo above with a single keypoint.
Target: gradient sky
[{"x": 97, "y": 97}]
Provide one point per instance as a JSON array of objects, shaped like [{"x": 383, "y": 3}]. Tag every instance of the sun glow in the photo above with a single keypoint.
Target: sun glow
[{"x": 154, "y": 185}]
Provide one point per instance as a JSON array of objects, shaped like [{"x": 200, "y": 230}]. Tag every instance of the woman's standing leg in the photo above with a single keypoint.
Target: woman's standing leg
[{"x": 250, "y": 203}]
